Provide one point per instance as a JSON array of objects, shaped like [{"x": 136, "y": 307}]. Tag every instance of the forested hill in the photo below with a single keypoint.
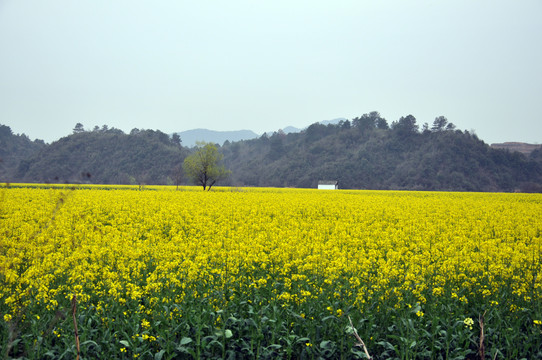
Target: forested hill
[
  {"x": 14, "y": 149},
  {"x": 365, "y": 153},
  {"x": 106, "y": 156}
]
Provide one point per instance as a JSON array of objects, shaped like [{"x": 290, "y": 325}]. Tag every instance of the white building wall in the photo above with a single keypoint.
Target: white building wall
[{"x": 326, "y": 187}]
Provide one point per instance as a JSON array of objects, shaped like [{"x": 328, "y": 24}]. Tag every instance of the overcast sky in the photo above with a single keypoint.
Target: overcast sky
[{"x": 264, "y": 65}]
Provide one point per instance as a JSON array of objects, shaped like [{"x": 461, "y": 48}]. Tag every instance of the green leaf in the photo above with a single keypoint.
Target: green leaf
[
  {"x": 228, "y": 334},
  {"x": 183, "y": 350},
  {"x": 89, "y": 342},
  {"x": 386, "y": 345},
  {"x": 159, "y": 355},
  {"x": 185, "y": 340},
  {"x": 213, "y": 343},
  {"x": 125, "y": 343},
  {"x": 303, "y": 340},
  {"x": 326, "y": 344}
]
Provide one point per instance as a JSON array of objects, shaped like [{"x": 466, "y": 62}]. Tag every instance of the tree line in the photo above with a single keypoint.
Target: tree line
[
  {"x": 106, "y": 156},
  {"x": 370, "y": 153},
  {"x": 366, "y": 152}
]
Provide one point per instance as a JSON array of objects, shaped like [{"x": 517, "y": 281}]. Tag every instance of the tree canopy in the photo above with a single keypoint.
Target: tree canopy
[
  {"x": 372, "y": 155},
  {"x": 15, "y": 149},
  {"x": 363, "y": 153},
  {"x": 109, "y": 155},
  {"x": 204, "y": 166}
]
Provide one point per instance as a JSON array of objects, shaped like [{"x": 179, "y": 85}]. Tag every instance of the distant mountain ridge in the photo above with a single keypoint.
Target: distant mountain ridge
[
  {"x": 190, "y": 137},
  {"x": 333, "y": 122},
  {"x": 523, "y": 148}
]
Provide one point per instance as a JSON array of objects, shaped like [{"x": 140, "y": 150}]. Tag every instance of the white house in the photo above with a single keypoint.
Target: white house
[{"x": 328, "y": 185}]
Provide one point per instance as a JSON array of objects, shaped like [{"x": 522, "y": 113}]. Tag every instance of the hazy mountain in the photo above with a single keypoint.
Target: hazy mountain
[
  {"x": 189, "y": 137},
  {"x": 523, "y": 148},
  {"x": 291, "y": 129},
  {"x": 333, "y": 122}
]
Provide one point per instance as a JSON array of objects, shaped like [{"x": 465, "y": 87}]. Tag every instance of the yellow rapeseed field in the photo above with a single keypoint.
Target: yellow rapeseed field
[{"x": 369, "y": 247}]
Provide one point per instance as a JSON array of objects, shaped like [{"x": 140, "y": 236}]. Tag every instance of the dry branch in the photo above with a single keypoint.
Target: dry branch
[
  {"x": 482, "y": 337},
  {"x": 360, "y": 342}
]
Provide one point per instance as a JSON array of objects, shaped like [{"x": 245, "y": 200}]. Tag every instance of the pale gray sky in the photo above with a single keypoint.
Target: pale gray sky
[{"x": 263, "y": 65}]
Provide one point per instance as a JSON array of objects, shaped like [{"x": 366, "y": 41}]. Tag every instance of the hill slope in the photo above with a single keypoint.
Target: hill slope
[
  {"x": 366, "y": 155},
  {"x": 13, "y": 150},
  {"x": 108, "y": 157}
]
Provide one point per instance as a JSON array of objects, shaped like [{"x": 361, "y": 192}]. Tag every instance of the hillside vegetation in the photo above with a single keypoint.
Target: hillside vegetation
[
  {"x": 368, "y": 154},
  {"x": 13, "y": 150},
  {"x": 364, "y": 153},
  {"x": 107, "y": 156}
]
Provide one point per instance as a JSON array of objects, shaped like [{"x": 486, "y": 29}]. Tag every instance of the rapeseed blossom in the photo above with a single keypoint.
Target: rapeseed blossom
[
  {"x": 156, "y": 248},
  {"x": 468, "y": 322}
]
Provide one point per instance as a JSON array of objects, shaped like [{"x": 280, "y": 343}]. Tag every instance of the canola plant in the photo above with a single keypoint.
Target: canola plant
[{"x": 147, "y": 255}]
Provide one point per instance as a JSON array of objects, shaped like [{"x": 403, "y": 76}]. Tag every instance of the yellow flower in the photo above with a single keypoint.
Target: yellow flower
[
  {"x": 268, "y": 237},
  {"x": 308, "y": 344},
  {"x": 438, "y": 291},
  {"x": 468, "y": 322}
]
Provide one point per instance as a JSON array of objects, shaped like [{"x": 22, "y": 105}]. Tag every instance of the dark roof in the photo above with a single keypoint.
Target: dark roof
[{"x": 328, "y": 182}]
